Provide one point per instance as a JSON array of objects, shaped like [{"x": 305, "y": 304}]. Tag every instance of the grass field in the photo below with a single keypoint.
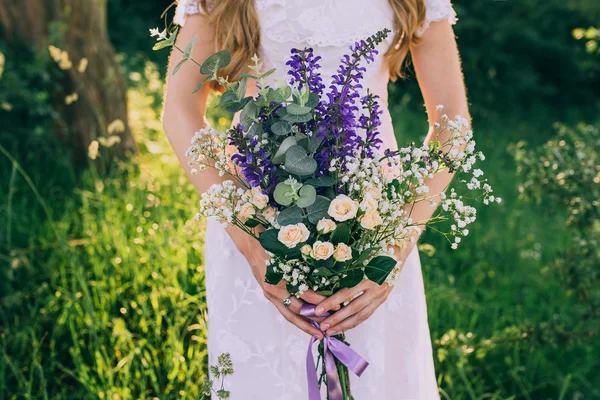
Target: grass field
[{"x": 101, "y": 286}]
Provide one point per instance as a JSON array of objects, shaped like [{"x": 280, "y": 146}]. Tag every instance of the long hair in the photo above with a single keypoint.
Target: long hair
[{"x": 236, "y": 28}]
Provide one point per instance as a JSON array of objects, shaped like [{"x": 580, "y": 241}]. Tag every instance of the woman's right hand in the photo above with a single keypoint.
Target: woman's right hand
[{"x": 257, "y": 257}]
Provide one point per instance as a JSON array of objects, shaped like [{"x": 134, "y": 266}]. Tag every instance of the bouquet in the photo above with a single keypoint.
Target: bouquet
[{"x": 304, "y": 174}]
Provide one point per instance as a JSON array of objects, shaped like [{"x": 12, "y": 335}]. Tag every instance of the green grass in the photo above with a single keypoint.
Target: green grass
[{"x": 102, "y": 289}]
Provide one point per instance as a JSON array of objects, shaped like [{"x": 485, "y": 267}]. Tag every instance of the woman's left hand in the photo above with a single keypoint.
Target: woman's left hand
[{"x": 359, "y": 308}]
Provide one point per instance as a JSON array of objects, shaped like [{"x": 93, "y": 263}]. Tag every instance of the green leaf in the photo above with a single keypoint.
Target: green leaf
[
  {"x": 215, "y": 62},
  {"x": 248, "y": 114},
  {"x": 379, "y": 268},
  {"x": 313, "y": 100},
  {"x": 322, "y": 271},
  {"x": 252, "y": 223},
  {"x": 179, "y": 64},
  {"x": 295, "y": 109},
  {"x": 245, "y": 75},
  {"x": 285, "y": 92},
  {"x": 279, "y": 156},
  {"x": 298, "y": 162},
  {"x": 353, "y": 278},
  {"x": 294, "y": 119},
  {"x": 363, "y": 256},
  {"x": 268, "y": 240},
  {"x": 314, "y": 143},
  {"x": 162, "y": 44},
  {"x": 281, "y": 194},
  {"x": 188, "y": 49},
  {"x": 281, "y": 128},
  {"x": 290, "y": 216},
  {"x": 341, "y": 234},
  {"x": 272, "y": 277},
  {"x": 318, "y": 209},
  {"x": 269, "y": 72},
  {"x": 308, "y": 195},
  {"x": 242, "y": 88},
  {"x": 197, "y": 88},
  {"x": 321, "y": 181},
  {"x": 255, "y": 130}
]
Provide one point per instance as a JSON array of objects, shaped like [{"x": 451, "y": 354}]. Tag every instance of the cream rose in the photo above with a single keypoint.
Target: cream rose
[
  {"x": 291, "y": 235},
  {"x": 322, "y": 250},
  {"x": 342, "y": 253},
  {"x": 325, "y": 225},
  {"x": 369, "y": 204},
  {"x": 260, "y": 200},
  {"x": 306, "y": 249},
  {"x": 370, "y": 220},
  {"x": 342, "y": 208},
  {"x": 269, "y": 213},
  {"x": 246, "y": 211}
]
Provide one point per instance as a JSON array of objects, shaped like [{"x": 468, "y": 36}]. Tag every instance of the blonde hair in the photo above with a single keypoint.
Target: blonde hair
[{"x": 236, "y": 28}]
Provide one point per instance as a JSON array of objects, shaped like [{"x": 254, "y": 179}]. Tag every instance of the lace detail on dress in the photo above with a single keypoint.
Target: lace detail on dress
[
  {"x": 437, "y": 10},
  {"x": 322, "y": 23},
  {"x": 185, "y": 8}
]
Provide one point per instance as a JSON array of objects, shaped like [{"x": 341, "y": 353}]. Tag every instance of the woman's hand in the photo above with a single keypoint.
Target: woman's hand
[
  {"x": 257, "y": 257},
  {"x": 359, "y": 308},
  {"x": 362, "y": 299}
]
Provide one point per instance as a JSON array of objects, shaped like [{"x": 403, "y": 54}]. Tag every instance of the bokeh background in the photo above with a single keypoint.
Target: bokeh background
[{"x": 101, "y": 267}]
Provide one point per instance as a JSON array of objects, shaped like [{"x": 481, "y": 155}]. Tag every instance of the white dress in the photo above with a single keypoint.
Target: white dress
[{"x": 268, "y": 353}]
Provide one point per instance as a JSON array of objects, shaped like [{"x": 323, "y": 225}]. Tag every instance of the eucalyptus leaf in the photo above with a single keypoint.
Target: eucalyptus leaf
[
  {"x": 281, "y": 128},
  {"x": 294, "y": 119},
  {"x": 313, "y": 100},
  {"x": 179, "y": 65},
  {"x": 248, "y": 114},
  {"x": 279, "y": 156},
  {"x": 281, "y": 194},
  {"x": 318, "y": 209},
  {"x": 290, "y": 216},
  {"x": 208, "y": 78},
  {"x": 298, "y": 162},
  {"x": 242, "y": 88},
  {"x": 285, "y": 92},
  {"x": 188, "y": 49},
  {"x": 255, "y": 130},
  {"x": 321, "y": 181},
  {"x": 215, "y": 62},
  {"x": 314, "y": 143},
  {"x": 379, "y": 268},
  {"x": 269, "y": 72},
  {"x": 308, "y": 195},
  {"x": 295, "y": 109}
]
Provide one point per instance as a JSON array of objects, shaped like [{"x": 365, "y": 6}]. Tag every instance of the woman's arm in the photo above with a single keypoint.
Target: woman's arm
[
  {"x": 184, "y": 114},
  {"x": 437, "y": 64}
]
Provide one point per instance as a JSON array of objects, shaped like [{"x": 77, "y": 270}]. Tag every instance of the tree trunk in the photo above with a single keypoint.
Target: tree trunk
[{"x": 79, "y": 28}]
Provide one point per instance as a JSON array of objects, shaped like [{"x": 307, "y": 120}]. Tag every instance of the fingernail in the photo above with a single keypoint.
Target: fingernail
[
  {"x": 333, "y": 333},
  {"x": 324, "y": 327},
  {"x": 319, "y": 310}
]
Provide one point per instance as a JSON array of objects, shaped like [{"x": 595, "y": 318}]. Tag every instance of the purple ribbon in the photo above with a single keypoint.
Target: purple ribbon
[{"x": 332, "y": 347}]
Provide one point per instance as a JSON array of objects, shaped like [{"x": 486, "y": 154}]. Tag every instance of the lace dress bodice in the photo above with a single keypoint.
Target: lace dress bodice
[{"x": 329, "y": 27}]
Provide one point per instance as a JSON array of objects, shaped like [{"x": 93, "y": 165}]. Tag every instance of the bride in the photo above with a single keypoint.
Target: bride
[{"x": 386, "y": 324}]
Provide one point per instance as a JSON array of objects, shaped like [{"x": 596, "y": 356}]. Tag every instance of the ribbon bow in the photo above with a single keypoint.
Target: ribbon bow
[{"x": 331, "y": 347}]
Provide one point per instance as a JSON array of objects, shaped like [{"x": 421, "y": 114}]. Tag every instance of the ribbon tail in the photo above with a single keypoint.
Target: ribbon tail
[
  {"x": 348, "y": 356},
  {"x": 334, "y": 387},
  {"x": 311, "y": 373}
]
